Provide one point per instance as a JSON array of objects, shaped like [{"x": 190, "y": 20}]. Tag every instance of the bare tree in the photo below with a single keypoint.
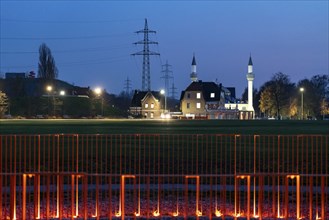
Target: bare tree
[{"x": 47, "y": 68}]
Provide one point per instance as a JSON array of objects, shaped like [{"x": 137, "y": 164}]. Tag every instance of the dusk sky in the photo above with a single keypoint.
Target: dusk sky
[{"x": 92, "y": 41}]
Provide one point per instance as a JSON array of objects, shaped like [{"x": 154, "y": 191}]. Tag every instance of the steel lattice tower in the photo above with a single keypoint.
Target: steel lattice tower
[
  {"x": 167, "y": 75},
  {"x": 173, "y": 91},
  {"x": 127, "y": 86},
  {"x": 146, "y": 76}
]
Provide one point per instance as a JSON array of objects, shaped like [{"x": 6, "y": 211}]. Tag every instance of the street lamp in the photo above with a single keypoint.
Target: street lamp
[
  {"x": 163, "y": 92},
  {"x": 302, "y": 101},
  {"x": 98, "y": 92},
  {"x": 49, "y": 90},
  {"x": 62, "y": 93}
]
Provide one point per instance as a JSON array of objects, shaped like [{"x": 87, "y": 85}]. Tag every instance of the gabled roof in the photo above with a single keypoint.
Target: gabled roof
[
  {"x": 206, "y": 88},
  {"x": 155, "y": 94},
  {"x": 137, "y": 98},
  {"x": 140, "y": 95}
]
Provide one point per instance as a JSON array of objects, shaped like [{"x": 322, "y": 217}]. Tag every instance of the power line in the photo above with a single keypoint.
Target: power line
[
  {"x": 69, "y": 22},
  {"x": 82, "y": 62},
  {"x": 63, "y": 38},
  {"x": 95, "y": 49}
]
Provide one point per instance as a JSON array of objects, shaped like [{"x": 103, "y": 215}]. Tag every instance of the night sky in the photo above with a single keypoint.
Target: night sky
[{"x": 92, "y": 41}]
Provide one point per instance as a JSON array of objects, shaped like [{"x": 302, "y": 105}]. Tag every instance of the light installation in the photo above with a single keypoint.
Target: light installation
[{"x": 148, "y": 176}]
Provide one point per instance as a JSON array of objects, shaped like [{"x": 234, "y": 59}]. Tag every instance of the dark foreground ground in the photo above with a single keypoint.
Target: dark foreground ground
[{"x": 109, "y": 126}]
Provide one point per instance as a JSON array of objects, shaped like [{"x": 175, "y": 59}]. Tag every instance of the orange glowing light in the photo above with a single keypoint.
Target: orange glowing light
[
  {"x": 198, "y": 213},
  {"x": 256, "y": 216},
  {"x": 175, "y": 214},
  {"x": 218, "y": 213},
  {"x": 30, "y": 175},
  {"x": 118, "y": 214},
  {"x": 156, "y": 213},
  {"x": 237, "y": 215},
  {"x": 137, "y": 214}
]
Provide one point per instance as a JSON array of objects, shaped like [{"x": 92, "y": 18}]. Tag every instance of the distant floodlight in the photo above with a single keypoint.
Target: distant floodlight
[
  {"x": 98, "y": 90},
  {"x": 49, "y": 88}
]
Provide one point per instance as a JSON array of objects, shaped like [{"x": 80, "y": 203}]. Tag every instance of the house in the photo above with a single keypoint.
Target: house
[
  {"x": 147, "y": 104},
  {"x": 214, "y": 101},
  {"x": 200, "y": 98}
]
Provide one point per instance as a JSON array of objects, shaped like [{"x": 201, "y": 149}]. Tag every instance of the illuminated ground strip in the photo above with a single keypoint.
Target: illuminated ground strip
[{"x": 160, "y": 176}]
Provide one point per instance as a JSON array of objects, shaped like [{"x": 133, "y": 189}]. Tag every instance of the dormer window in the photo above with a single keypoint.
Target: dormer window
[
  {"x": 198, "y": 95},
  {"x": 212, "y": 95},
  {"x": 152, "y": 105},
  {"x": 146, "y": 105}
]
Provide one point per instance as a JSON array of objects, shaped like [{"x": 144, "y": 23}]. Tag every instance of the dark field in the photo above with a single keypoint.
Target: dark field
[{"x": 105, "y": 126}]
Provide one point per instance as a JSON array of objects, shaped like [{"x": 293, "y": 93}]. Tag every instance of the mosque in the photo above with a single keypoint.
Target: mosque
[{"x": 210, "y": 100}]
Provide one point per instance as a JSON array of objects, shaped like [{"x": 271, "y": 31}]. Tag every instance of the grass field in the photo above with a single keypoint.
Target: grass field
[{"x": 109, "y": 126}]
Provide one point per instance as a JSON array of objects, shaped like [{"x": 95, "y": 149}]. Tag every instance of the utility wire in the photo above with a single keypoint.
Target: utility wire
[
  {"x": 64, "y": 38},
  {"x": 95, "y": 49},
  {"x": 68, "y": 22}
]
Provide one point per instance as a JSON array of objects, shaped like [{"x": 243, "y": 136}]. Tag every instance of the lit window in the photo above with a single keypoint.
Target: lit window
[
  {"x": 212, "y": 95},
  {"x": 152, "y": 105},
  {"x": 146, "y": 105},
  {"x": 152, "y": 115},
  {"x": 187, "y": 105},
  {"x": 198, "y": 95},
  {"x": 198, "y": 105}
]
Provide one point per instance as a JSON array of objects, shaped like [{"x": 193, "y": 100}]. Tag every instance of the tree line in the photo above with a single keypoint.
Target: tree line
[
  {"x": 282, "y": 99},
  {"x": 278, "y": 97}
]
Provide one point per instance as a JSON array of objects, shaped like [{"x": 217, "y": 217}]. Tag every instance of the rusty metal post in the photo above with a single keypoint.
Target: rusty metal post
[
  {"x": 186, "y": 198},
  {"x": 248, "y": 197},
  {"x": 85, "y": 196},
  {"x": 110, "y": 198},
  {"x": 235, "y": 196},
  {"x": 24, "y": 198},
  {"x": 48, "y": 197},
  {"x": 286, "y": 197},
  {"x": 61, "y": 199},
  {"x": 72, "y": 197},
  {"x": 260, "y": 197},
  {"x": 298, "y": 196},
  {"x": 322, "y": 198},
  {"x": 13, "y": 196},
  {"x": 122, "y": 196},
  {"x": 310, "y": 197}
]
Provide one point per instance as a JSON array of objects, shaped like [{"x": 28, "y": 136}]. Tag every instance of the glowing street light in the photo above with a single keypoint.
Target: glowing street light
[
  {"x": 62, "y": 93},
  {"x": 49, "y": 89},
  {"x": 302, "y": 101},
  {"x": 163, "y": 92},
  {"x": 98, "y": 92}
]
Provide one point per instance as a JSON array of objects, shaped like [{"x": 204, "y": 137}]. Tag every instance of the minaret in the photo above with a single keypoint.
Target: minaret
[
  {"x": 250, "y": 78},
  {"x": 193, "y": 75}
]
